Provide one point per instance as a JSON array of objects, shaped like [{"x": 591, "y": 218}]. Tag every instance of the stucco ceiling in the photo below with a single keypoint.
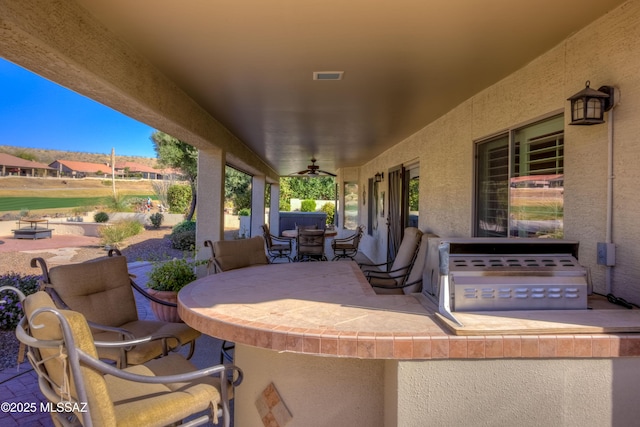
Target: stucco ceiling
[{"x": 406, "y": 62}]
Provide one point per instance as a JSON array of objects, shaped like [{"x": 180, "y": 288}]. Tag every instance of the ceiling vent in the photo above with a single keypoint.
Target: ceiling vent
[{"x": 328, "y": 75}]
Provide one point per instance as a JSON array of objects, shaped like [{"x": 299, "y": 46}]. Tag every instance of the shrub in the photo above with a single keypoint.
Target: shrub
[
  {"x": 179, "y": 198},
  {"x": 184, "y": 226},
  {"x": 172, "y": 275},
  {"x": 101, "y": 217},
  {"x": 156, "y": 219},
  {"x": 284, "y": 206},
  {"x": 10, "y": 308},
  {"x": 308, "y": 206},
  {"x": 244, "y": 212},
  {"x": 330, "y": 210},
  {"x": 185, "y": 240},
  {"x": 183, "y": 236},
  {"x": 117, "y": 232}
]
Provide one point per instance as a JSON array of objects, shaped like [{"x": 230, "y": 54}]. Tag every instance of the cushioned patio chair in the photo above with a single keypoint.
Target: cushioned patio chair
[
  {"x": 310, "y": 245},
  {"x": 386, "y": 277},
  {"x": 277, "y": 247},
  {"x": 413, "y": 282},
  {"x": 91, "y": 392},
  {"x": 101, "y": 290},
  {"x": 347, "y": 247},
  {"x": 230, "y": 255}
]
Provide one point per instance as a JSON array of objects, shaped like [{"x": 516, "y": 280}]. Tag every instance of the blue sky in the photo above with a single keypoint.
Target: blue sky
[{"x": 37, "y": 113}]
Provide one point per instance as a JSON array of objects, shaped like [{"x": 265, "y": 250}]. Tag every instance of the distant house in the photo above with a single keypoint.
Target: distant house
[
  {"x": 12, "y": 165},
  {"x": 137, "y": 169},
  {"x": 80, "y": 169}
]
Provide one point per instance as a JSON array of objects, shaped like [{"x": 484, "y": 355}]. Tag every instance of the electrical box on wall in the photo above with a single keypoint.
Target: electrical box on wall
[{"x": 607, "y": 254}]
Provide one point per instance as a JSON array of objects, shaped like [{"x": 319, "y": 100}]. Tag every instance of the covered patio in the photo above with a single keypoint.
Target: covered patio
[{"x": 467, "y": 99}]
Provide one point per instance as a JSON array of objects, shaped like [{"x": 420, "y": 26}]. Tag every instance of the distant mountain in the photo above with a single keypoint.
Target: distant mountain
[{"x": 48, "y": 156}]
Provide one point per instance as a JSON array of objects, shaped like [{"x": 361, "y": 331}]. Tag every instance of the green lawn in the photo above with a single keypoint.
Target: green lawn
[{"x": 36, "y": 203}]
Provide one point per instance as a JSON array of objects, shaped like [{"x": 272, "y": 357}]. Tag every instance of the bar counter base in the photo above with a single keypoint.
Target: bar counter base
[{"x": 321, "y": 391}]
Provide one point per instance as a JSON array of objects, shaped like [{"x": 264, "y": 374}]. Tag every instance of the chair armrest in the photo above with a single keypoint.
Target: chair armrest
[
  {"x": 106, "y": 368},
  {"x": 128, "y": 344},
  {"x": 387, "y": 264},
  {"x": 392, "y": 274},
  {"x": 286, "y": 240}
]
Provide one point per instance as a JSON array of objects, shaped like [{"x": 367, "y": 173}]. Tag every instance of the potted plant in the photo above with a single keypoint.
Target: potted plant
[{"x": 164, "y": 282}]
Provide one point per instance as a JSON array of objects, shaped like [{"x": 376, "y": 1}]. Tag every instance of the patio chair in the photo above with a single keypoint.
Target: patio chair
[
  {"x": 277, "y": 247},
  {"x": 347, "y": 247},
  {"x": 391, "y": 276},
  {"x": 101, "y": 290},
  {"x": 83, "y": 390},
  {"x": 230, "y": 255},
  {"x": 413, "y": 281},
  {"x": 310, "y": 245}
]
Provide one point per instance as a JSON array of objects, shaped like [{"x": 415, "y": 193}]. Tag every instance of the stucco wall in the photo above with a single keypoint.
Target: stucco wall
[
  {"x": 558, "y": 392},
  {"x": 318, "y": 391},
  {"x": 607, "y": 53}
]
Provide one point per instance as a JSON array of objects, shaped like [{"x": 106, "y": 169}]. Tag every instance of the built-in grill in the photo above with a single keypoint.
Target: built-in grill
[{"x": 480, "y": 274}]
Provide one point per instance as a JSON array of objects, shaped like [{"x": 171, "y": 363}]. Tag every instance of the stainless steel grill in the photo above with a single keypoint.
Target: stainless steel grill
[{"x": 481, "y": 274}]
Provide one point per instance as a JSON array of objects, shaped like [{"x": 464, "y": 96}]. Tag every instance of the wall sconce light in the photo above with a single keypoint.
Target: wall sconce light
[
  {"x": 379, "y": 176},
  {"x": 588, "y": 106}
]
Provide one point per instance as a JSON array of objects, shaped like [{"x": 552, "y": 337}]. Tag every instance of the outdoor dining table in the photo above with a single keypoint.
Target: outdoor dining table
[{"x": 328, "y": 233}]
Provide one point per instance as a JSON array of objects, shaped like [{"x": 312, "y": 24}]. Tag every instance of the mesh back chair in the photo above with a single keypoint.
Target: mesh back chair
[
  {"x": 310, "y": 245},
  {"x": 392, "y": 276},
  {"x": 277, "y": 247},
  {"x": 102, "y": 291},
  {"x": 347, "y": 247},
  {"x": 163, "y": 391}
]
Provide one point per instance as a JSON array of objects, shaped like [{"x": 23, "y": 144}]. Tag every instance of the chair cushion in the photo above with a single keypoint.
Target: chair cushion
[
  {"x": 99, "y": 289},
  {"x": 142, "y": 404},
  {"x": 407, "y": 249},
  {"x": 233, "y": 254},
  {"x": 418, "y": 267}
]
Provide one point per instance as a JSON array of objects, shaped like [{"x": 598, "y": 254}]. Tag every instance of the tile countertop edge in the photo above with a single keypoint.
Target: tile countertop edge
[{"x": 433, "y": 341}]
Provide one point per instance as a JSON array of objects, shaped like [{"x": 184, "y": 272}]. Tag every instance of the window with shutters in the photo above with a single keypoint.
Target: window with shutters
[{"x": 520, "y": 182}]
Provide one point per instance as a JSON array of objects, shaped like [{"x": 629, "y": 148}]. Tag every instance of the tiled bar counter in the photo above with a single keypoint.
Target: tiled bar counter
[{"x": 339, "y": 354}]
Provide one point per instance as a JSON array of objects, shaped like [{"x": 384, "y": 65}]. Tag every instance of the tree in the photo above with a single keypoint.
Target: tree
[
  {"x": 178, "y": 154},
  {"x": 320, "y": 188},
  {"x": 237, "y": 188}
]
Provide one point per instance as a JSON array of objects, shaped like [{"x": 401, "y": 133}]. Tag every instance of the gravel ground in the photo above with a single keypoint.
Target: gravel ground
[{"x": 150, "y": 245}]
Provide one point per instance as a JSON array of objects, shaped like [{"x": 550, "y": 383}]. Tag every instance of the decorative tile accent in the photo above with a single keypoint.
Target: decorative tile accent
[{"x": 272, "y": 410}]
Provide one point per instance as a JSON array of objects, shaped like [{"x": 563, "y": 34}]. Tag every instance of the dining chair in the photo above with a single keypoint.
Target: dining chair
[
  {"x": 347, "y": 247},
  {"x": 310, "y": 245},
  {"x": 102, "y": 290},
  {"x": 277, "y": 247},
  {"x": 163, "y": 391}
]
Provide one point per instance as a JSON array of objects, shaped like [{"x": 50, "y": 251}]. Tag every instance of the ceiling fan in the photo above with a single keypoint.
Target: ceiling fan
[{"x": 314, "y": 170}]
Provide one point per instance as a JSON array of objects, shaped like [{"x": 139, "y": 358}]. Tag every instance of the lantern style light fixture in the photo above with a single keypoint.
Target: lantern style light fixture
[
  {"x": 589, "y": 105},
  {"x": 379, "y": 176}
]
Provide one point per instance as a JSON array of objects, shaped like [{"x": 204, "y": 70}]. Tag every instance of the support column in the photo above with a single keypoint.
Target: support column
[
  {"x": 210, "y": 193},
  {"x": 257, "y": 204},
  {"x": 274, "y": 210}
]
